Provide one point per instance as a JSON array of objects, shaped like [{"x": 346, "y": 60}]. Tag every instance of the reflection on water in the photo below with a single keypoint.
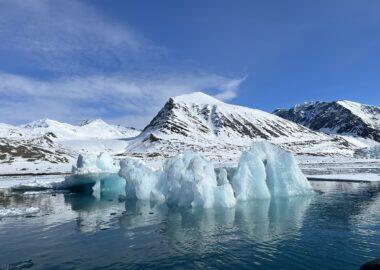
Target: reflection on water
[{"x": 103, "y": 231}]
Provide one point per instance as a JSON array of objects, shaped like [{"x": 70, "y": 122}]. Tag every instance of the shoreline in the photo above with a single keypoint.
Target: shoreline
[
  {"x": 309, "y": 177},
  {"x": 33, "y": 174}
]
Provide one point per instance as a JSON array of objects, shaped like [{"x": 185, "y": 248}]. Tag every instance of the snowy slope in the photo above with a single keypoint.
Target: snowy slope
[
  {"x": 195, "y": 121},
  {"x": 222, "y": 130},
  {"x": 337, "y": 117},
  {"x": 51, "y": 146},
  {"x": 87, "y": 129}
]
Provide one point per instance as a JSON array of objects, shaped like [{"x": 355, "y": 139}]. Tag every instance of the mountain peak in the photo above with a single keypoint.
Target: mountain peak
[
  {"x": 338, "y": 117},
  {"x": 43, "y": 123},
  {"x": 197, "y": 97},
  {"x": 92, "y": 122}
]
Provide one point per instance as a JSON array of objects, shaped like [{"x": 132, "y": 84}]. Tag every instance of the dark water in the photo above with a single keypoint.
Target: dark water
[{"x": 339, "y": 229}]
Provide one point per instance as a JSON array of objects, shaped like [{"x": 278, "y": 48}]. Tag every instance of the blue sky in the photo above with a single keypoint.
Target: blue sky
[{"x": 121, "y": 60}]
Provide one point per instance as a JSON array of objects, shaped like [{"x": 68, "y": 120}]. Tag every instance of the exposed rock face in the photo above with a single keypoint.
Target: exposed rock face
[
  {"x": 45, "y": 143},
  {"x": 31, "y": 150},
  {"x": 200, "y": 115},
  {"x": 203, "y": 123},
  {"x": 338, "y": 117}
]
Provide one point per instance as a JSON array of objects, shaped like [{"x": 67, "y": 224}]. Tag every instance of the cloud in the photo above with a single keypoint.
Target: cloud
[
  {"x": 67, "y": 36},
  {"x": 230, "y": 88},
  {"x": 65, "y": 60},
  {"x": 117, "y": 98}
]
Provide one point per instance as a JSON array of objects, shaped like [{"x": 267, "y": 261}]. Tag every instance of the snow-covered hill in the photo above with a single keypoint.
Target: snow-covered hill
[
  {"x": 337, "y": 117},
  {"x": 222, "y": 130},
  {"x": 88, "y": 129},
  {"x": 193, "y": 121},
  {"x": 51, "y": 146}
]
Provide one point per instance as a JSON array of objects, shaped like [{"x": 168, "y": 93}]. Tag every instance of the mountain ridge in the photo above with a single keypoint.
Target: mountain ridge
[
  {"x": 194, "y": 121},
  {"x": 337, "y": 117},
  {"x": 205, "y": 124}
]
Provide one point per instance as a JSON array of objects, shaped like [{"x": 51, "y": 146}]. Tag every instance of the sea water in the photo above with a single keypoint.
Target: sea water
[{"x": 336, "y": 228}]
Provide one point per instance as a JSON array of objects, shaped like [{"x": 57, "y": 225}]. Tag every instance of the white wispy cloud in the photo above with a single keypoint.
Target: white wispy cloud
[
  {"x": 66, "y": 36},
  {"x": 132, "y": 100},
  {"x": 82, "y": 66}
]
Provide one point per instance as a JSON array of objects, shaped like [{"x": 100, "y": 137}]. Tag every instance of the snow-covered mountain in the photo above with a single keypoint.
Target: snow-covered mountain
[
  {"x": 337, "y": 117},
  {"x": 87, "y": 129},
  {"x": 48, "y": 145},
  {"x": 193, "y": 121},
  {"x": 218, "y": 129}
]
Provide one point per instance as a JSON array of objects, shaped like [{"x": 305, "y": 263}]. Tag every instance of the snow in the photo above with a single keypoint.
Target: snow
[
  {"x": 358, "y": 110},
  {"x": 87, "y": 129},
  {"x": 49, "y": 146},
  {"x": 196, "y": 121},
  {"x": 267, "y": 170},
  {"x": 370, "y": 152},
  {"x": 15, "y": 212},
  {"x": 197, "y": 97}
]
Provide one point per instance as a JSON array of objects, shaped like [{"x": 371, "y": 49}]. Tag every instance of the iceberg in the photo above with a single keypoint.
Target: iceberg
[
  {"x": 191, "y": 181},
  {"x": 141, "y": 182},
  {"x": 266, "y": 170},
  {"x": 102, "y": 163},
  {"x": 184, "y": 181},
  {"x": 94, "y": 174}
]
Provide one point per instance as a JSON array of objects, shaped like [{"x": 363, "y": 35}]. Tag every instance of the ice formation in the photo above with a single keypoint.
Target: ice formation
[
  {"x": 267, "y": 170},
  {"x": 191, "y": 180},
  {"x": 188, "y": 180},
  {"x": 102, "y": 163},
  {"x": 14, "y": 212},
  {"x": 97, "y": 174},
  {"x": 141, "y": 181}
]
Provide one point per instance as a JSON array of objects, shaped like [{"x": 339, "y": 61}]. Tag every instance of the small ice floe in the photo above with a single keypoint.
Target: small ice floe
[
  {"x": 29, "y": 183},
  {"x": 15, "y": 212}
]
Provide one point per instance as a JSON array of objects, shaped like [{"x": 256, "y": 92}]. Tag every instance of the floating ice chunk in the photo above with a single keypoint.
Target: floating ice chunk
[
  {"x": 102, "y": 163},
  {"x": 93, "y": 183},
  {"x": 185, "y": 181},
  {"x": 267, "y": 170},
  {"x": 249, "y": 179},
  {"x": 141, "y": 181},
  {"x": 14, "y": 212},
  {"x": 94, "y": 174},
  {"x": 191, "y": 181}
]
